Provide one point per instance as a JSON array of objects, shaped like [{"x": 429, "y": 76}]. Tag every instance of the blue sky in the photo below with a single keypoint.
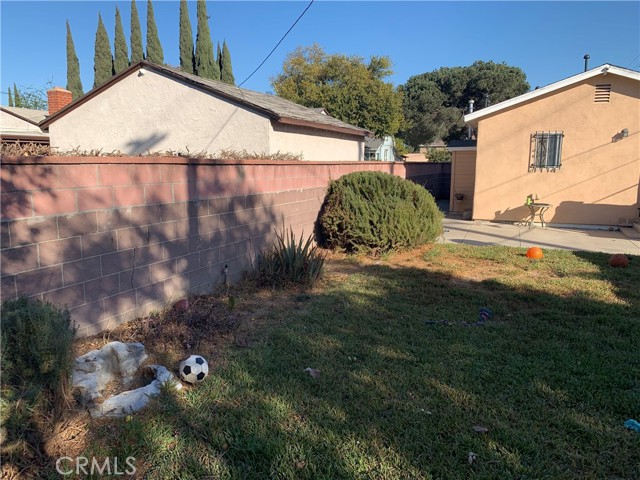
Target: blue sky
[{"x": 546, "y": 39}]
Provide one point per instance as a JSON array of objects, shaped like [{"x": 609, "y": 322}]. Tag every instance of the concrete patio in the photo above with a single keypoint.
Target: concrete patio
[{"x": 489, "y": 233}]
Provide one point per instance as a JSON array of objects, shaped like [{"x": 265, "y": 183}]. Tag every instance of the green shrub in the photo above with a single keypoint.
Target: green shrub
[
  {"x": 288, "y": 261},
  {"x": 36, "y": 356},
  {"x": 36, "y": 344},
  {"x": 374, "y": 212},
  {"x": 438, "y": 155}
]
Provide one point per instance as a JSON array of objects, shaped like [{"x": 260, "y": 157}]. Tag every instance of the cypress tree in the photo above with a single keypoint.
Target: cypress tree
[
  {"x": 219, "y": 58},
  {"x": 154, "y": 49},
  {"x": 102, "y": 59},
  {"x": 17, "y": 101},
  {"x": 187, "y": 60},
  {"x": 136, "y": 35},
  {"x": 121, "y": 60},
  {"x": 74, "y": 84},
  {"x": 206, "y": 65},
  {"x": 10, "y": 97},
  {"x": 226, "y": 72}
]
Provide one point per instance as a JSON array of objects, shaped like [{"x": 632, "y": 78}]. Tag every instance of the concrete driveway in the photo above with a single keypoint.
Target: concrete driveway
[{"x": 488, "y": 233}]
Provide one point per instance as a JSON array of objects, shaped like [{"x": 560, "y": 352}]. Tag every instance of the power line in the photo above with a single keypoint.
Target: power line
[
  {"x": 278, "y": 44},
  {"x": 633, "y": 61}
]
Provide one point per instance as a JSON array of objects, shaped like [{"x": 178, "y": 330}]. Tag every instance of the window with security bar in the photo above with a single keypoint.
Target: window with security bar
[{"x": 546, "y": 151}]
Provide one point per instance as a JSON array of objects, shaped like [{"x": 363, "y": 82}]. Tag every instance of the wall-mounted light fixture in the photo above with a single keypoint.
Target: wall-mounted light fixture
[{"x": 624, "y": 132}]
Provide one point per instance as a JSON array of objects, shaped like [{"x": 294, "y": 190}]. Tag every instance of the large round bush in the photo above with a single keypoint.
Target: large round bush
[{"x": 376, "y": 212}]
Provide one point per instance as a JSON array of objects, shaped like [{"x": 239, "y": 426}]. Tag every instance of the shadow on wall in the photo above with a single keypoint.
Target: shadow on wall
[
  {"x": 112, "y": 241},
  {"x": 576, "y": 213},
  {"x": 145, "y": 145},
  {"x": 595, "y": 213},
  {"x": 513, "y": 214}
]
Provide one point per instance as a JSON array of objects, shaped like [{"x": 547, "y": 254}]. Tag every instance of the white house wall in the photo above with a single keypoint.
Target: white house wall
[
  {"x": 315, "y": 144},
  {"x": 10, "y": 123},
  {"x": 148, "y": 112}
]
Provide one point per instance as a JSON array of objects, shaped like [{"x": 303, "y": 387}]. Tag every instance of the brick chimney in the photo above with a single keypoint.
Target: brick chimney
[{"x": 58, "y": 98}]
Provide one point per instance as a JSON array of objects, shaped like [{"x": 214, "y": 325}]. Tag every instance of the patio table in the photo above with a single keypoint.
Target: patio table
[{"x": 537, "y": 209}]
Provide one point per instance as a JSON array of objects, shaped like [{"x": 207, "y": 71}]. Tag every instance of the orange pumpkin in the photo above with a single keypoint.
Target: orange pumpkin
[
  {"x": 619, "y": 260},
  {"x": 535, "y": 253}
]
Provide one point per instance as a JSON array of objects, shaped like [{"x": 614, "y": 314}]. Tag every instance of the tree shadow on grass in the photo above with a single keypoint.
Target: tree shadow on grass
[
  {"x": 552, "y": 377},
  {"x": 121, "y": 258}
]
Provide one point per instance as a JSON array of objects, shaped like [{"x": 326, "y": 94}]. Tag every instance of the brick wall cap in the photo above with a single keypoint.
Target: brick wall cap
[{"x": 160, "y": 160}]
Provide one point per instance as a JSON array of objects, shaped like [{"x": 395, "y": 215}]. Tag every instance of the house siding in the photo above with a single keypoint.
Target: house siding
[
  {"x": 148, "y": 112},
  {"x": 463, "y": 174},
  {"x": 597, "y": 183},
  {"x": 315, "y": 144},
  {"x": 11, "y": 123}
]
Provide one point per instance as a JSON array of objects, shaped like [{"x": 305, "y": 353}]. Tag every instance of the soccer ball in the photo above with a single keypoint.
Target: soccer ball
[{"x": 194, "y": 369}]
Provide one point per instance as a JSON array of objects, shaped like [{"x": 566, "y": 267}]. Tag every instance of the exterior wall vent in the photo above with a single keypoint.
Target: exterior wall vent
[{"x": 603, "y": 93}]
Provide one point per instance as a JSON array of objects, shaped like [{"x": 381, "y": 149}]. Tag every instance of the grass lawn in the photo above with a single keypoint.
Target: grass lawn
[{"x": 552, "y": 375}]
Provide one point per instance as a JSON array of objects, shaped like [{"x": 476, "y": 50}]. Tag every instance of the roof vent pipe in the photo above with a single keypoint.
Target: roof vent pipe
[
  {"x": 586, "y": 61},
  {"x": 470, "y": 132}
]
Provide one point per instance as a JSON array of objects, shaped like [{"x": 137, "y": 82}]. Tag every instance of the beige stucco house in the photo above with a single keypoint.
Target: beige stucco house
[
  {"x": 574, "y": 144},
  {"x": 21, "y": 125},
  {"x": 152, "y": 108}
]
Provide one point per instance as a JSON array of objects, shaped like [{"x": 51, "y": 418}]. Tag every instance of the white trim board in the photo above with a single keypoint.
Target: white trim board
[{"x": 605, "y": 69}]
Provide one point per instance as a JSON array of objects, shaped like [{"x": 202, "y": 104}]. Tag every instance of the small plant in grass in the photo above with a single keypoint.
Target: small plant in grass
[
  {"x": 290, "y": 261},
  {"x": 374, "y": 212},
  {"x": 36, "y": 357}
]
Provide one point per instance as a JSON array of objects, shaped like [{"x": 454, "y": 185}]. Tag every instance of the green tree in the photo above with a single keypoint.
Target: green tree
[
  {"x": 438, "y": 155},
  {"x": 121, "y": 60},
  {"x": 10, "y": 100},
  {"x": 136, "y": 35},
  {"x": 226, "y": 71},
  {"x": 16, "y": 97},
  {"x": 102, "y": 59},
  {"x": 29, "y": 97},
  {"x": 187, "y": 59},
  {"x": 435, "y": 102},
  {"x": 219, "y": 58},
  {"x": 401, "y": 148},
  {"x": 206, "y": 65},
  {"x": 74, "y": 84},
  {"x": 351, "y": 90},
  {"x": 154, "y": 48}
]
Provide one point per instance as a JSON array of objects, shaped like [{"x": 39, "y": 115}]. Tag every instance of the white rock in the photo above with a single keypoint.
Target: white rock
[
  {"x": 134, "y": 400},
  {"x": 94, "y": 370}
]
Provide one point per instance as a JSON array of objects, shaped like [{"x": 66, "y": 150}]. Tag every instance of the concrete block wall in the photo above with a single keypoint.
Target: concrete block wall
[{"x": 112, "y": 238}]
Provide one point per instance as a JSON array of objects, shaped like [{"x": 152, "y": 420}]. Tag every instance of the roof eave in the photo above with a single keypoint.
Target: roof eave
[
  {"x": 138, "y": 66},
  {"x": 18, "y": 116},
  {"x": 91, "y": 93},
  {"x": 201, "y": 86},
  {"x": 27, "y": 136},
  {"x": 473, "y": 118},
  {"x": 323, "y": 126}
]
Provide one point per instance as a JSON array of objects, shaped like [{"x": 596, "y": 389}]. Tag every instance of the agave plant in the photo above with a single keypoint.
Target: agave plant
[{"x": 288, "y": 260}]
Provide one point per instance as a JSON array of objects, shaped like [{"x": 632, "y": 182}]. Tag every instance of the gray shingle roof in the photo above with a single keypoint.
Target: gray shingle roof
[
  {"x": 28, "y": 114},
  {"x": 373, "y": 143},
  {"x": 276, "y": 107}
]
